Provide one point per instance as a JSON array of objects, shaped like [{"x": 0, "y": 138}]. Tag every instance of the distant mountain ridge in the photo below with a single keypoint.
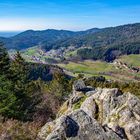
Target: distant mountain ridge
[
  {"x": 92, "y": 37},
  {"x": 32, "y": 38},
  {"x": 105, "y": 44},
  {"x": 8, "y": 33},
  {"x": 106, "y": 36}
]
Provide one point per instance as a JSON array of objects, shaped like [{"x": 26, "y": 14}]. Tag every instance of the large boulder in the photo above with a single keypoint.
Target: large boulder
[
  {"x": 64, "y": 127},
  {"x": 90, "y": 107},
  {"x": 77, "y": 126},
  {"x": 79, "y": 85},
  {"x": 96, "y": 114}
]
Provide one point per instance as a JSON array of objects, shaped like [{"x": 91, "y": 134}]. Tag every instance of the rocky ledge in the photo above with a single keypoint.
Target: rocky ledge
[{"x": 95, "y": 114}]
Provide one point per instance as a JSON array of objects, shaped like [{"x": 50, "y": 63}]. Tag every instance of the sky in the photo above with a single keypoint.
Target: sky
[{"x": 19, "y": 15}]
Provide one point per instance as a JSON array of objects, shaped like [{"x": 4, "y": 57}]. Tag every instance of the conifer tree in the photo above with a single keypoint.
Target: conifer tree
[
  {"x": 60, "y": 86},
  {"x": 7, "y": 97},
  {"x": 4, "y": 61},
  {"x": 26, "y": 91}
]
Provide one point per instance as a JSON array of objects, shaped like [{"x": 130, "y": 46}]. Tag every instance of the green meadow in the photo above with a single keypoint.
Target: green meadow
[
  {"x": 95, "y": 68},
  {"x": 133, "y": 60}
]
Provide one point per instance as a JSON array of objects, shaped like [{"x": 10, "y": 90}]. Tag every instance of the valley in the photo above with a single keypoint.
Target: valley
[
  {"x": 111, "y": 52},
  {"x": 125, "y": 68}
]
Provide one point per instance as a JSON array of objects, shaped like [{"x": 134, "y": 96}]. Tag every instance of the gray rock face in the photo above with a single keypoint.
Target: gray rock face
[
  {"x": 133, "y": 131},
  {"x": 79, "y": 85},
  {"x": 90, "y": 107},
  {"x": 64, "y": 127},
  {"x": 101, "y": 114},
  {"x": 77, "y": 126}
]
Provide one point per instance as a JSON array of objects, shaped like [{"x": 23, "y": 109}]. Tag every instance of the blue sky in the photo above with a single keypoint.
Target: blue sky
[{"x": 18, "y": 15}]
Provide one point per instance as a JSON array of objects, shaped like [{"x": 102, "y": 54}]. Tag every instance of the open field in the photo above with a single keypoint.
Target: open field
[
  {"x": 133, "y": 60},
  {"x": 88, "y": 66},
  {"x": 93, "y": 68}
]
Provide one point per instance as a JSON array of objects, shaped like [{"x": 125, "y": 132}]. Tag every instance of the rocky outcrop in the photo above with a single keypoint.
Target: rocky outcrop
[{"x": 95, "y": 114}]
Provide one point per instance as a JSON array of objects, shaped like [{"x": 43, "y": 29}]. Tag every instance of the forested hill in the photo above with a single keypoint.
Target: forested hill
[
  {"x": 108, "y": 43},
  {"x": 32, "y": 38},
  {"x": 104, "y": 44},
  {"x": 21, "y": 85},
  {"x": 109, "y": 36},
  {"x": 62, "y": 38}
]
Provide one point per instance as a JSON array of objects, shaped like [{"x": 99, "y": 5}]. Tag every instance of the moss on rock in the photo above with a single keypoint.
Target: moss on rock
[{"x": 79, "y": 103}]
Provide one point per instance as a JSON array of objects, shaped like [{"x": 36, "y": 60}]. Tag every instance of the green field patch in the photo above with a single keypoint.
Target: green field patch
[
  {"x": 132, "y": 60},
  {"x": 88, "y": 67}
]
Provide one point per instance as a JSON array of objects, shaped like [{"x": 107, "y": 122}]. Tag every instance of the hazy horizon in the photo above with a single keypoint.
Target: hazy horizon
[{"x": 18, "y": 31}]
